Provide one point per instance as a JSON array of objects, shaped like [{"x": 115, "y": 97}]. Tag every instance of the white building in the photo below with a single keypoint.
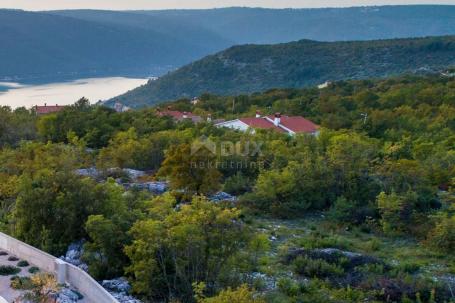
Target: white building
[{"x": 284, "y": 124}]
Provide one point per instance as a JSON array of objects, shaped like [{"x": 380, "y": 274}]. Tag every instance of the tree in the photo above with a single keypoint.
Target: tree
[
  {"x": 126, "y": 150},
  {"x": 173, "y": 249},
  {"x": 108, "y": 234},
  {"x": 195, "y": 172},
  {"x": 396, "y": 211},
  {"x": 52, "y": 206},
  {"x": 442, "y": 236}
]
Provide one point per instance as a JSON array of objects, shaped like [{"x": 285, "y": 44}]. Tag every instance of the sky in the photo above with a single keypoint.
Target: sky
[{"x": 170, "y": 4}]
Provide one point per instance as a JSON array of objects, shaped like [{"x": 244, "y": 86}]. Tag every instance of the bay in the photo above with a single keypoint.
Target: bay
[{"x": 65, "y": 93}]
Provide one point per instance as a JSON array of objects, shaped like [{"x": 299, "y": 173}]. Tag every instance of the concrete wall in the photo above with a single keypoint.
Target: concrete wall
[{"x": 63, "y": 271}]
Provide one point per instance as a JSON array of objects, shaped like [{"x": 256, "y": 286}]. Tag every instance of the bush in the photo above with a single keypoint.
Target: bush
[
  {"x": 237, "y": 184},
  {"x": 318, "y": 240},
  {"x": 13, "y": 259},
  {"x": 316, "y": 268},
  {"x": 8, "y": 270},
  {"x": 3, "y": 253},
  {"x": 22, "y": 283},
  {"x": 288, "y": 287},
  {"x": 442, "y": 236},
  {"x": 239, "y": 295},
  {"x": 23, "y": 263},
  {"x": 33, "y": 270},
  {"x": 351, "y": 212}
]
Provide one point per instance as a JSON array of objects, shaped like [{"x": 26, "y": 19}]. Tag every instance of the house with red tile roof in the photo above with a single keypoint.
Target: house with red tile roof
[
  {"x": 284, "y": 124},
  {"x": 178, "y": 115},
  {"x": 48, "y": 109}
]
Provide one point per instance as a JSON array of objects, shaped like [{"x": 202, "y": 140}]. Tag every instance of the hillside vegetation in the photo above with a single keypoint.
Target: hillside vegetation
[
  {"x": 253, "y": 68},
  {"x": 363, "y": 212},
  {"x": 55, "y": 45}
]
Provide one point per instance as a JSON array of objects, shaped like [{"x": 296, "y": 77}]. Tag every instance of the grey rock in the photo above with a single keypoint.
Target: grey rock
[
  {"x": 74, "y": 255},
  {"x": 118, "y": 285},
  {"x": 67, "y": 295},
  {"x": 119, "y": 288},
  {"x": 223, "y": 196}
]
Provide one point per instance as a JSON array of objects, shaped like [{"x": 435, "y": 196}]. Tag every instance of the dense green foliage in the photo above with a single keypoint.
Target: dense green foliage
[
  {"x": 253, "y": 68},
  {"x": 377, "y": 182}
]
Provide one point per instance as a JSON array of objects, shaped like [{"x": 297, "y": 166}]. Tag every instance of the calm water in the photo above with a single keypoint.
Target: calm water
[{"x": 95, "y": 89}]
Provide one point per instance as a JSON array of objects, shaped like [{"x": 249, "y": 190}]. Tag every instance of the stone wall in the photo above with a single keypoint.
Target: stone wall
[{"x": 63, "y": 271}]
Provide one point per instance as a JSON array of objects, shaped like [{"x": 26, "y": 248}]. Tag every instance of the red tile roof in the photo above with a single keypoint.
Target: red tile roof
[
  {"x": 46, "y": 109},
  {"x": 297, "y": 124},
  {"x": 261, "y": 123},
  {"x": 177, "y": 115}
]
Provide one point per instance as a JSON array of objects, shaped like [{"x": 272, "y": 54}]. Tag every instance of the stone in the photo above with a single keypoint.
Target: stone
[
  {"x": 222, "y": 196},
  {"x": 118, "y": 285},
  {"x": 134, "y": 174},
  {"x": 91, "y": 172},
  {"x": 119, "y": 288},
  {"x": 67, "y": 295},
  {"x": 74, "y": 255}
]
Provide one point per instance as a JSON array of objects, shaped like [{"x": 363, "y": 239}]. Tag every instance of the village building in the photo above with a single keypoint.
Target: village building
[
  {"x": 179, "y": 116},
  {"x": 120, "y": 108},
  {"x": 285, "y": 124},
  {"x": 48, "y": 109}
]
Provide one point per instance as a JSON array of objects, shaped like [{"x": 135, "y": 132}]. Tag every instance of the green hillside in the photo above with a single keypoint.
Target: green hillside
[{"x": 251, "y": 68}]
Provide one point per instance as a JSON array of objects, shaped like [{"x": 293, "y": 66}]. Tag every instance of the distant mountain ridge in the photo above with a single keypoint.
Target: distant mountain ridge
[
  {"x": 254, "y": 68},
  {"x": 80, "y": 43}
]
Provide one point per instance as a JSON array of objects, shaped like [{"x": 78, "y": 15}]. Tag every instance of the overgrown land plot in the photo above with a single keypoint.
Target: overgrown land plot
[{"x": 360, "y": 211}]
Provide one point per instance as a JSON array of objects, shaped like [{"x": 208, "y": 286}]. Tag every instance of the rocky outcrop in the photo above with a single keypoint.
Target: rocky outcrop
[
  {"x": 120, "y": 288},
  {"x": 222, "y": 196},
  {"x": 332, "y": 255},
  {"x": 74, "y": 255},
  {"x": 67, "y": 295}
]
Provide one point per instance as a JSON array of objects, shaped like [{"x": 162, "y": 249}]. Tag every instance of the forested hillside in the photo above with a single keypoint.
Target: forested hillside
[
  {"x": 47, "y": 47},
  {"x": 263, "y": 26},
  {"x": 254, "y": 68},
  {"x": 55, "y": 45},
  {"x": 363, "y": 212}
]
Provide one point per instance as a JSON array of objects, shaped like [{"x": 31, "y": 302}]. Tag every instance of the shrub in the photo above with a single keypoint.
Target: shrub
[
  {"x": 239, "y": 295},
  {"x": 442, "y": 236},
  {"x": 237, "y": 184},
  {"x": 351, "y": 212},
  {"x": 13, "y": 259},
  {"x": 288, "y": 287},
  {"x": 8, "y": 270},
  {"x": 317, "y": 240},
  {"x": 22, "y": 283},
  {"x": 33, "y": 270},
  {"x": 396, "y": 211},
  {"x": 23, "y": 263},
  {"x": 3, "y": 253},
  {"x": 316, "y": 268}
]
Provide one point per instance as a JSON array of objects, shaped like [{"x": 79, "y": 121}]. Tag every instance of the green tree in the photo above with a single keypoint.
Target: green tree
[
  {"x": 442, "y": 236},
  {"x": 194, "y": 171},
  {"x": 52, "y": 206},
  {"x": 396, "y": 211},
  {"x": 173, "y": 249}
]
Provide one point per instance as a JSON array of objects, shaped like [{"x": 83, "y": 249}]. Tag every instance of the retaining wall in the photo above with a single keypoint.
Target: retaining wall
[{"x": 63, "y": 271}]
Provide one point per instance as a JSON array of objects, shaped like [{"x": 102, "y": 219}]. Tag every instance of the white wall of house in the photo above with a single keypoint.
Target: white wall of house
[{"x": 234, "y": 124}]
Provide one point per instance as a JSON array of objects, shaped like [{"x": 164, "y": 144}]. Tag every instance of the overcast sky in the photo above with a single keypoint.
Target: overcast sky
[{"x": 163, "y": 4}]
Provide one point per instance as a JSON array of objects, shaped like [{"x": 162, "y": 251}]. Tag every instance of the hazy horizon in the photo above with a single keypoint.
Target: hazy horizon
[{"x": 34, "y": 5}]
